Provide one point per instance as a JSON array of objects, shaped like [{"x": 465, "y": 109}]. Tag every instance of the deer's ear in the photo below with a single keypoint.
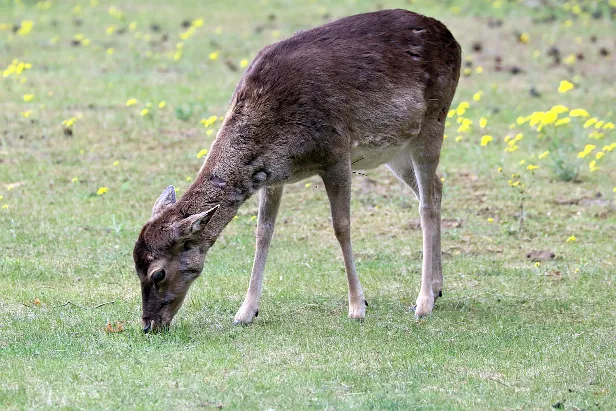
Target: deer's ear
[
  {"x": 194, "y": 224},
  {"x": 166, "y": 198}
]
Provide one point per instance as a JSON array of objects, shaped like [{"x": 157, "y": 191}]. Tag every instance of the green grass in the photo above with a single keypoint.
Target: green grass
[{"x": 507, "y": 334}]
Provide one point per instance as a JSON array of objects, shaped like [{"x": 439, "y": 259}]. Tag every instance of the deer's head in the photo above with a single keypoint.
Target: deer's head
[{"x": 169, "y": 256}]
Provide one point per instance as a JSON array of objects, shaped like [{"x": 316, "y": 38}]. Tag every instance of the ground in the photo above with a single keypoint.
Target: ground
[{"x": 104, "y": 105}]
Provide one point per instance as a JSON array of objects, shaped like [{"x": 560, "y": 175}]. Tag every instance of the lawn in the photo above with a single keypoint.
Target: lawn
[{"x": 106, "y": 104}]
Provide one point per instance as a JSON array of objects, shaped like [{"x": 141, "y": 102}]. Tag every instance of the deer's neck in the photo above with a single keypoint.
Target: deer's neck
[{"x": 223, "y": 181}]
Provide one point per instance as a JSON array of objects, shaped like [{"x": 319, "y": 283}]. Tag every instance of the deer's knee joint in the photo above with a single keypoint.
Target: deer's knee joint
[
  {"x": 428, "y": 211},
  {"x": 342, "y": 230}
]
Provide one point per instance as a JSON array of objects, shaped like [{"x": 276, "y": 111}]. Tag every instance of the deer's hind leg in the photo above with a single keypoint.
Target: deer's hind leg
[
  {"x": 425, "y": 152},
  {"x": 402, "y": 167},
  {"x": 416, "y": 167}
]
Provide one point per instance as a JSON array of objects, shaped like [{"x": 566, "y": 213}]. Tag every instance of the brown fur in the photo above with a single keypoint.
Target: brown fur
[{"x": 358, "y": 92}]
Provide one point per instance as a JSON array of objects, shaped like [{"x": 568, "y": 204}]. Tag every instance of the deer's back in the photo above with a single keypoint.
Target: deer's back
[{"x": 368, "y": 80}]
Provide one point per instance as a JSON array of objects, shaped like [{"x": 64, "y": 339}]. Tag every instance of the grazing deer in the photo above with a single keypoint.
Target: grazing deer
[{"x": 356, "y": 93}]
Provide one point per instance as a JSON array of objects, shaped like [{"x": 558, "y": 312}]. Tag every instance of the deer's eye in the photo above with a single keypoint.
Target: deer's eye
[
  {"x": 187, "y": 245},
  {"x": 158, "y": 276}
]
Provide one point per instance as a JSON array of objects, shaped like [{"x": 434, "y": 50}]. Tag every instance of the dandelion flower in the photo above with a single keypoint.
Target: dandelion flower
[
  {"x": 144, "y": 112},
  {"x": 244, "y": 63},
  {"x": 110, "y": 51},
  {"x": 590, "y": 122},
  {"x": 214, "y": 55},
  {"x": 571, "y": 239},
  {"x": 116, "y": 163},
  {"x": 565, "y": 86},
  {"x": 531, "y": 167},
  {"x": 102, "y": 190},
  {"x": 209, "y": 132},
  {"x": 28, "y": 97},
  {"x": 479, "y": 69},
  {"x": 490, "y": 220},
  {"x": 477, "y": 95},
  {"x": 74, "y": 180},
  {"x": 202, "y": 153},
  {"x": 522, "y": 162},
  {"x": 26, "y": 113},
  {"x": 608, "y": 126},
  {"x": 6, "y": 206},
  {"x": 162, "y": 104},
  {"x": 543, "y": 155},
  {"x": 131, "y": 102},
  {"x": 188, "y": 178},
  {"x": 483, "y": 122}
]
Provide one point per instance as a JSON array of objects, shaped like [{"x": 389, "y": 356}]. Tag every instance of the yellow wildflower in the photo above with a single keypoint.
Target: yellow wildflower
[
  {"x": 5, "y": 207},
  {"x": 116, "y": 163},
  {"x": 209, "y": 132},
  {"x": 590, "y": 122},
  {"x": 608, "y": 126},
  {"x": 144, "y": 112},
  {"x": 587, "y": 150},
  {"x": 25, "y": 28},
  {"x": 571, "y": 239},
  {"x": 524, "y": 38},
  {"x": 485, "y": 140},
  {"x": 131, "y": 101},
  {"x": 74, "y": 180},
  {"x": 565, "y": 86},
  {"x": 102, "y": 190},
  {"x": 596, "y": 135},
  {"x": 162, "y": 104},
  {"x": 599, "y": 124},
  {"x": 599, "y": 155},
  {"x": 558, "y": 109},
  {"x": 562, "y": 121},
  {"x": 490, "y": 220},
  {"x": 579, "y": 112},
  {"x": 543, "y": 155},
  {"x": 28, "y": 97},
  {"x": 609, "y": 148},
  {"x": 483, "y": 122},
  {"x": 244, "y": 63},
  {"x": 214, "y": 55},
  {"x": 522, "y": 162},
  {"x": 26, "y": 113},
  {"x": 570, "y": 59},
  {"x": 531, "y": 167},
  {"x": 479, "y": 69},
  {"x": 110, "y": 51},
  {"x": 477, "y": 95},
  {"x": 202, "y": 153},
  {"x": 522, "y": 120}
]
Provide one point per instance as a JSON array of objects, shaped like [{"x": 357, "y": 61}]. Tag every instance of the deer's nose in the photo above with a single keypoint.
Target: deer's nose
[{"x": 147, "y": 325}]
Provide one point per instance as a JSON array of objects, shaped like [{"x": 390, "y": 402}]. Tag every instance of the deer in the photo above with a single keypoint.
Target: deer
[{"x": 353, "y": 94}]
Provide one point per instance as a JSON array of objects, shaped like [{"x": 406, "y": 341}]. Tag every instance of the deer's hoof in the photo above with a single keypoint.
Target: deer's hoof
[
  {"x": 424, "y": 306},
  {"x": 358, "y": 311},
  {"x": 245, "y": 316}
]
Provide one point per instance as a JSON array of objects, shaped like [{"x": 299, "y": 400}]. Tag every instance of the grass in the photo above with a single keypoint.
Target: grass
[{"x": 507, "y": 334}]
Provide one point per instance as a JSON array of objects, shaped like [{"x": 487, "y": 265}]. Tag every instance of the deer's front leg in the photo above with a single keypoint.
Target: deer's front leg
[
  {"x": 337, "y": 181},
  {"x": 269, "y": 202}
]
